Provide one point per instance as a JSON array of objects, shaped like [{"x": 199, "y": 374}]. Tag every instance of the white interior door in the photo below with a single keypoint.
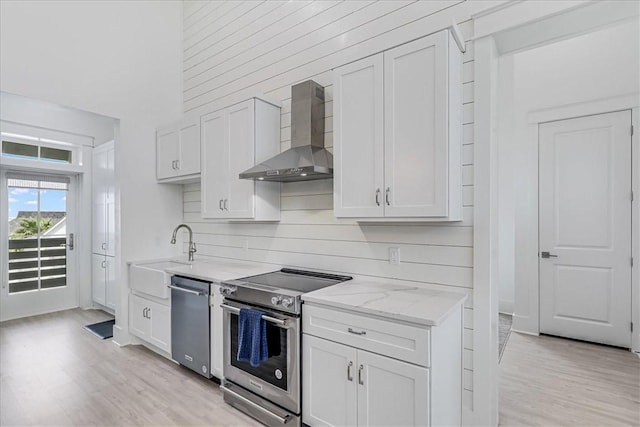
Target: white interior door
[
  {"x": 38, "y": 261},
  {"x": 585, "y": 227}
]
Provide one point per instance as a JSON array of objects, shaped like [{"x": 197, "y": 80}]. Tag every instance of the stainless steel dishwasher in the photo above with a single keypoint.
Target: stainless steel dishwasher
[{"x": 190, "y": 324}]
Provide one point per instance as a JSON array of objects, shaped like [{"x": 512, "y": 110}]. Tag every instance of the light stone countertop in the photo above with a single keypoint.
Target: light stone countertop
[
  {"x": 405, "y": 302},
  {"x": 220, "y": 270}
]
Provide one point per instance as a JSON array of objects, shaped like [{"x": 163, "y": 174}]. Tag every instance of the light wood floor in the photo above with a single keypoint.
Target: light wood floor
[
  {"x": 548, "y": 381},
  {"x": 53, "y": 372}
]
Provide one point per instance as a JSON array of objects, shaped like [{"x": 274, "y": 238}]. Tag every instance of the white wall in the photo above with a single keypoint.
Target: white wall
[
  {"x": 588, "y": 68},
  {"x": 119, "y": 59},
  {"x": 233, "y": 51},
  {"x": 35, "y": 112}
]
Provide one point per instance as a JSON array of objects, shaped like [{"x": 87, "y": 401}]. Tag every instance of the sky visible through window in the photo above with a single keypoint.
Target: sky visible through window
[{"x": 26, "y": 199}]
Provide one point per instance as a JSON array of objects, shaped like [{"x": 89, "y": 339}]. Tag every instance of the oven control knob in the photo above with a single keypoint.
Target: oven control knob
[
  {"x": 276, "y": 300},
  {"x": 287, "y": 302},
  {"x": 228, "y": 290}
]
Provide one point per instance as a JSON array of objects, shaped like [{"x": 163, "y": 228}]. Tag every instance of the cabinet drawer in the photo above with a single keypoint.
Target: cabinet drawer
[{"x": 400, "y": 341}]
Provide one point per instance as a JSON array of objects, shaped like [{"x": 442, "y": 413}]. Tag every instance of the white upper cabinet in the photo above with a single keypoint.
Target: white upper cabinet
[
  {"x": 358, "y": 120},
  {"x": 398, "y": 133},
  {"x": 178, "y": 152},
  {"x": 233, "y": 140}
]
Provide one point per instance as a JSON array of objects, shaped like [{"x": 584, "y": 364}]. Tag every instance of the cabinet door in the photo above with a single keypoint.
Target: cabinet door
[
  {"x": 217, "y": 331},
  {"x": 215, "y": 164},
  {"x": 160, "y": 329},
  {"x": 329, "y": 379},
  {"x": 99, "y": 189},
  {"x": 139, "y": 324},
  {"x": 239, "y": 202},
  {"x": 110, "y": 282},
  {"x": 98, "y": 280},
  {"x": 110, "y": 203},
  {"x": 189, "y": 162},
  {"x": 390, "y": 392},
  {"x": 167, "y": 153},
  {"x": 358, "y": 145},
  {"x": 416, "y": 141}
]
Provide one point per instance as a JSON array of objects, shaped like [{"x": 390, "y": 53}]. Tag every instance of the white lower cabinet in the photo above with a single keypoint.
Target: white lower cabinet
[
  {"x": 363, "y": 370},
  {"x": 329, "y": 395},
  {"x": 103, "y": 280},
  {"x": 345, "y": 386},
  {"x": 216, "y": 329},
  {"x": 150, "y": 321},
  {"x": 390, "y": 392}
]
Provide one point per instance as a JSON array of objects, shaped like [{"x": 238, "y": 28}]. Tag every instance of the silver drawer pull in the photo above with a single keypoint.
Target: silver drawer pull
[
  {"x": 282, "y": 420},
  {"x": 351, "y": 331},
  {"x": 360, "y": 379},
  {"x": 349, "y": 374}
]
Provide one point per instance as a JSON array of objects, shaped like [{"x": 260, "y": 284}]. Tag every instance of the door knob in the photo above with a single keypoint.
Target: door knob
[{"x": 547, "y": 255}]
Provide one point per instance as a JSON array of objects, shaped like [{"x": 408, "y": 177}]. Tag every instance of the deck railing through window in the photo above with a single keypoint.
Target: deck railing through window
[{"x": 37, "y": 263}]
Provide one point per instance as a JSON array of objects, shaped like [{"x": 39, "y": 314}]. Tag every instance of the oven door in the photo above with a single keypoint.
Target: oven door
[{"x": 276, "y": 379}]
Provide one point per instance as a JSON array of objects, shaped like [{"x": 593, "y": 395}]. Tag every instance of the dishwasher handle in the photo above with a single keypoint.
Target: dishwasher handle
[{"x": 189, "y": 291}]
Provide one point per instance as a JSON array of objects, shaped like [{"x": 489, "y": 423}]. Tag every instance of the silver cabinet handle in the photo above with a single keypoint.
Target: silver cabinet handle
[
  {"x": 103, "y": 246},
  {"x": 173, "y": 164},
  {"x": 226, "y": 204},
  {"x": 360, "y": 379},
  {"x": 149, "y": 313},
  {"x": 547, "y": 255},
  {"x": 282, "y": 420},
  {"x": 103, "y": 264},
  {"x": 378, "y": 197},
  {"x": 177, "y": 164},
  {"x": 386, "y": 196},
  {"x": 144, "y": 312},
  {"x": 352, "y": 331},
  {"x": 220, "y": 205},
  {"x": 189, "y": 291},
  {"x": 349, "y": 374}
]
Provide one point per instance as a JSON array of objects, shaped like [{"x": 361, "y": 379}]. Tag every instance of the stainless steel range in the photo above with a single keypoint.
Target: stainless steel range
[{"x": 269, "y": 392}]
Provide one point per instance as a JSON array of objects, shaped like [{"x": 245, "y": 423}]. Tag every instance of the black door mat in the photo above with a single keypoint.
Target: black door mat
[{"x": 102, "y": 330}]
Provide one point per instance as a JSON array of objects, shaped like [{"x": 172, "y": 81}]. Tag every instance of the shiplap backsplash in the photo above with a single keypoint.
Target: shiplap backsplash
[{"x": 235, "y": 50}]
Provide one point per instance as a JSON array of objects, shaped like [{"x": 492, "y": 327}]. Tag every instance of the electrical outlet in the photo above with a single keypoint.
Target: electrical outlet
[{"x": 394, "y": 256}]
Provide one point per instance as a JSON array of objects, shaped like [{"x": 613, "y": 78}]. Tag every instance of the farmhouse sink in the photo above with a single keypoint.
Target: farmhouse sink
[{"x": 151, "y": 278}]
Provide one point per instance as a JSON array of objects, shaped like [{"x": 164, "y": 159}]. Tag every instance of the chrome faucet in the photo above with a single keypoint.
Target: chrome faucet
[{"x": 192, "y": 245}]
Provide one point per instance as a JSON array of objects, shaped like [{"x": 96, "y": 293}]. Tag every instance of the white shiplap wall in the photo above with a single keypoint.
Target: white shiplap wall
[{"x": 235, "y": 50}]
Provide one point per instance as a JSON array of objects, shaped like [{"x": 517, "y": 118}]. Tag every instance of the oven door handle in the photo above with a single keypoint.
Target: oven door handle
[
  {"x": 281, "y": 322},
  {"x": 283, "y": 420}
]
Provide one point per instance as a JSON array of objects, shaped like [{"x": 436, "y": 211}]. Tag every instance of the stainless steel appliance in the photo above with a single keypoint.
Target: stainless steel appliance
[
  {"x": 271, "y": 391},
  {"x": 307, "y": 158},
  {"x": 190, "y": 324}
]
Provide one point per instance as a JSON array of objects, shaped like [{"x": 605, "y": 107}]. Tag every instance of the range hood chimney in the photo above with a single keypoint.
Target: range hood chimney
[{"x": 307, "y": 159}]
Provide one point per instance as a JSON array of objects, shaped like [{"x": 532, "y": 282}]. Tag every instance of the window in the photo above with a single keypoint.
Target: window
[{"x": 35, "y": 151}]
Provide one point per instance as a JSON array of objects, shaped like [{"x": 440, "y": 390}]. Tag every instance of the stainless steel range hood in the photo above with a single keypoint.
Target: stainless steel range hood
[{"x": 307, "y": 158}]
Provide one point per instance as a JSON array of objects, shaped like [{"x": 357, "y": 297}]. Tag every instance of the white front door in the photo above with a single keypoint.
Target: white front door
[
  {"x": 585, "y": 228},
  {"x": 38, "y": 262}
]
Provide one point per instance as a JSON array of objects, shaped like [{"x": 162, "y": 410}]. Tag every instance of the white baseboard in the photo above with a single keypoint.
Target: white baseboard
[
  {"x": 120, "y": 337},
  {"x": 506, "y": 307}
]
